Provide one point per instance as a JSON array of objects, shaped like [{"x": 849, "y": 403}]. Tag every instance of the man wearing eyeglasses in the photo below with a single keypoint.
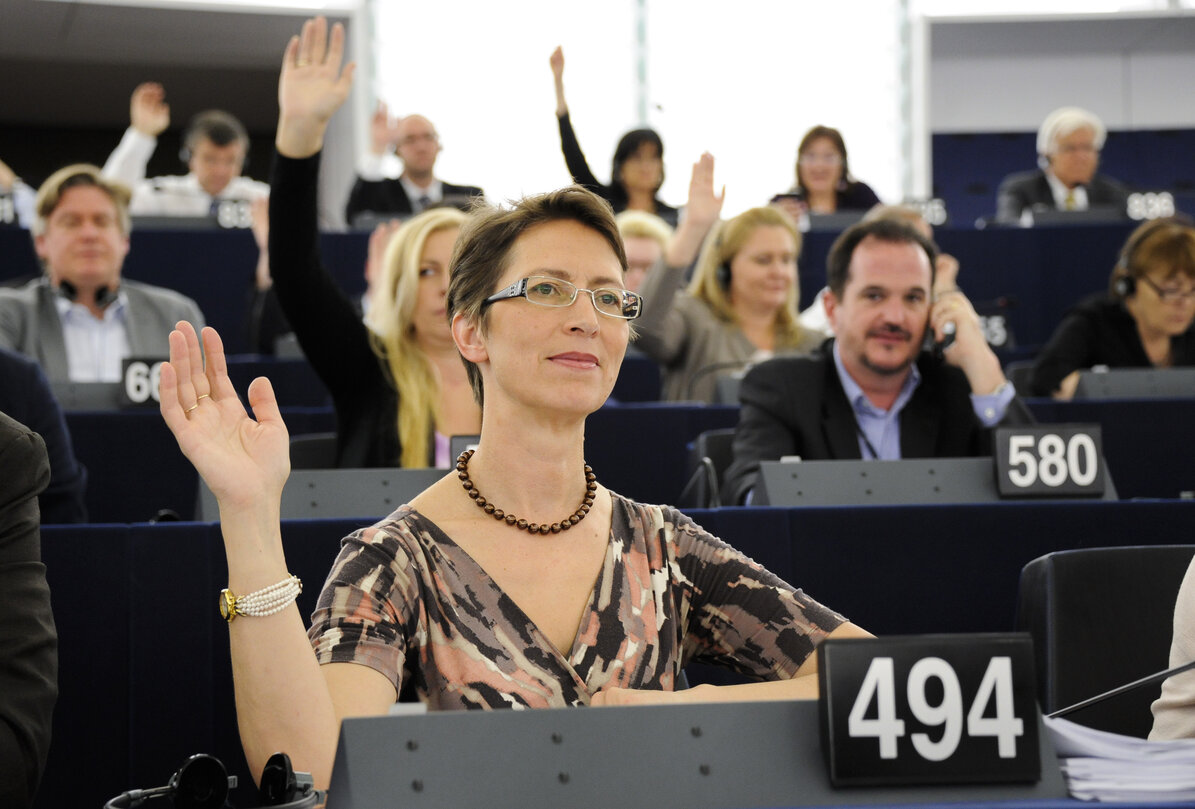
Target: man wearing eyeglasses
[
  {"x": 417, "y": 144},
  {"x": 1068, "y": 147}
]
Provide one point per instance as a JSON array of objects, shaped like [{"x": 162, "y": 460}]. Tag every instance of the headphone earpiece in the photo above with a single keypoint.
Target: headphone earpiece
[
  {"x": 184, "y": 154},
  {"x": 1125, "y": 286},
  {"x": 103, "y": 295},
  {"x": 722, "y": 275}
]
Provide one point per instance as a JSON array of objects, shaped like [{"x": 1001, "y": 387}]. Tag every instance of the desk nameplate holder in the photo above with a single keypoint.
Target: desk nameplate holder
[
  {"x": 748, "y": 754},
  {"x": 931, "y": 481},
  {"x": 339, "y": 493},
  {"x": 1136, "y": 383}
]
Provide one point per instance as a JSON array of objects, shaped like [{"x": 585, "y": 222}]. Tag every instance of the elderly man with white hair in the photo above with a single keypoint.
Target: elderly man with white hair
[{"x": 1068, "y": 148}]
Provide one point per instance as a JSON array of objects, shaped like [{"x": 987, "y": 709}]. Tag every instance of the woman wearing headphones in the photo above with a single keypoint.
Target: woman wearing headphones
[
  {"x": 1145, "y": 319},
  {"x": 741, "y": 304}
]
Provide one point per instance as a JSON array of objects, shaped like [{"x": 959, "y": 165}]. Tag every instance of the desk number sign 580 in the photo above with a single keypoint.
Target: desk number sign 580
[
  {"x": 929, "y": 709},
  {"x": 1050, "y": 460}
]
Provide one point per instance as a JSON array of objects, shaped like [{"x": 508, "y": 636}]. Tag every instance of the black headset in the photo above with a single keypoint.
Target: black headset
[
  {"x": 103, "y": 295},
  {"x": 203, "y": 783},
  {"x": 1124, "y": 283}
]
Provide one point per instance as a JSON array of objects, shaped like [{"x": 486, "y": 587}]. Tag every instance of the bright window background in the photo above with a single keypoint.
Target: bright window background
[{"x": 743, "y": 81}]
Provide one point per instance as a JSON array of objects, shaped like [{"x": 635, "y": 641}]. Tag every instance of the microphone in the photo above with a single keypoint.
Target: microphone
[{"x": 1144, "y": 681}]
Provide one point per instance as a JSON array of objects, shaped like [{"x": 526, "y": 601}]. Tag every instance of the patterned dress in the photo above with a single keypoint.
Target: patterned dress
[{"x": 404, "y": 599}]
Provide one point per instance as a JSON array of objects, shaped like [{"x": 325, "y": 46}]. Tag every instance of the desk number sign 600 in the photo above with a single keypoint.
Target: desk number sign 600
[{"x": 929, "y": 709}]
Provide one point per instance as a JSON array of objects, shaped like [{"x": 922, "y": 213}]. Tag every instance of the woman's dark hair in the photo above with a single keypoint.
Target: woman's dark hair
[
  {"x": 834, "y": 136},
  {"x": 627, "y": 146}
]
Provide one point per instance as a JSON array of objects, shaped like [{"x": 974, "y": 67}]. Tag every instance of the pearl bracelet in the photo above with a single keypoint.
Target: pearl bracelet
[{"x": 260, "y": 603}]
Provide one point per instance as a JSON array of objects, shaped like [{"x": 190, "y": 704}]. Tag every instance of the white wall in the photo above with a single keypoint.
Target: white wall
[{"x": 1001, "y": 75}]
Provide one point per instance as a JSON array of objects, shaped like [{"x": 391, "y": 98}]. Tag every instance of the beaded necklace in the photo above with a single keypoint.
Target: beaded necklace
[{"x": 462, "y": 471}]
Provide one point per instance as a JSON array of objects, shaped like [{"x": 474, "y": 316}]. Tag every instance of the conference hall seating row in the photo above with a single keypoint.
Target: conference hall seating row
[
  {"x": 638, "y": 449},
  {"x": 1030, "y": 277},
  {"x": 145, "y": 676}
]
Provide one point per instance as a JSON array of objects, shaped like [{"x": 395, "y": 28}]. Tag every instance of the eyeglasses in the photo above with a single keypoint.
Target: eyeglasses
[
  {"x": 555, "y": 292},
  {"x": 1170, "y": 295}
]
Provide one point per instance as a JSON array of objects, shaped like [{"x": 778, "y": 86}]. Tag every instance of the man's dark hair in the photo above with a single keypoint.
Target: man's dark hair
[
  {"x": 218, "y": 126},
  {"x": 838, "y": 262}
]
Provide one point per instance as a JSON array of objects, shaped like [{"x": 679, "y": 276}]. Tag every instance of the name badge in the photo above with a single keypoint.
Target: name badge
[
  {"x": 140, "y": 378},
  {"x": 929, "y": 709},
  {"x": 1050, "y": 460}
]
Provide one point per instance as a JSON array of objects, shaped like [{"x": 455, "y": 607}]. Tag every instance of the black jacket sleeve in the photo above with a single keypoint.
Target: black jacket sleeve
[{"x": 28, "y": 639}]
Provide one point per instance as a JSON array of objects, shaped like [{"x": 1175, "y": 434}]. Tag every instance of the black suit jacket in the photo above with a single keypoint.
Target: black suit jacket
[
  {"x": 389, "y": 197},
  {"x": 26, "y": 397},
  {"x": 28, "y": 639},
  {"x": 1030, "y": 188},
  {"x": 796, "y": 406}
]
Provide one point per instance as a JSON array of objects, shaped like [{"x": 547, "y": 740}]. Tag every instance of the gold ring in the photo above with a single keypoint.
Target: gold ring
[
  {"x": 192, "y": 407},
  {"x": 302, "y": 62},
  {"x": 202, "y": 396}
]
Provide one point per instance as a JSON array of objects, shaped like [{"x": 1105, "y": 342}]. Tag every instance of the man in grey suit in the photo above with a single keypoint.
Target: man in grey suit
[{"x": 80, "y": 320}]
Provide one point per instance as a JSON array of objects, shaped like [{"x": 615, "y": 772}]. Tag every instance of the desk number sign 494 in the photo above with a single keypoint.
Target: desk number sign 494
[{"x": 929, "y": 709}]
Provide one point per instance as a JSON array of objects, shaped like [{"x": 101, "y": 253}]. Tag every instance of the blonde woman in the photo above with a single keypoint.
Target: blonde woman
[
  {"x": 741, "y": 304},
  {"x": 397, "y": 383}
]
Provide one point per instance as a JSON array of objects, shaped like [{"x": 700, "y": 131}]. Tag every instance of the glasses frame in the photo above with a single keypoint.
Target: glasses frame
[
  {"x": 519, "y": 290},
  {"x": 1169, "y": 295}
]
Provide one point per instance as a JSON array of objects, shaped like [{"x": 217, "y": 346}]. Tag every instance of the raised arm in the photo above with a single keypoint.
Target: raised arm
[
  {"x": 311, "y": 87},
  {"x": 557, "y": 63},
  {"x": 663, "y": 332},
  {"x": 284, "y": 700},
  {"x": 574, "y": 158},
  {"x": 149, "y": 115}
]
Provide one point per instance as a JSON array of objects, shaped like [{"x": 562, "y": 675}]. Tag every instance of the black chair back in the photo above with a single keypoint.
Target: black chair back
[
  {"x": 313, "y": 451},
  {"x": 710, "y": 455},
  {"x": 1101, "y": 618}
]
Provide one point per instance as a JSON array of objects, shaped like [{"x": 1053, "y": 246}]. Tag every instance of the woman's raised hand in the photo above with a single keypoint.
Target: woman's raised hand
[
  {"x": 311, "y": 87},
  {"x": 244, "y": 462},
  {"x": 704, "y": 205}
]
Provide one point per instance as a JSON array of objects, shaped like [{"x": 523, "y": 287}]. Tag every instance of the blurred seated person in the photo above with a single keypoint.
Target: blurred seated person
[
  {"x": 1068, "y": 154},
  {"x": 21, "y": 195},
  {"x": 80, "y": 320},
  {"x": 1143, "y": 321},
  {"x": 28, "y": 638},
  {"x": 946, "y": 266},
  {"x": 25, "y": 395},
  {"x": 417, "y": 144},
  {"x": 645, "y": 237},
  {"x": 638, "y": 166},
  {"x": 215, "y": 144},
  {"x": 824, "y": 182},
  {"x": 397, "y": 382},
  {"x": 452, "y": 600},
  {"x": 873, "y": 393},
  {"x": 741, "y": 303},
  {"x": 1174, "y": 710}
]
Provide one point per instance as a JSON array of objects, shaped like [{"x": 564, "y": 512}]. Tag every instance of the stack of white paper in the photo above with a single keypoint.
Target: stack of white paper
[{"x": 1102, "y": 766}]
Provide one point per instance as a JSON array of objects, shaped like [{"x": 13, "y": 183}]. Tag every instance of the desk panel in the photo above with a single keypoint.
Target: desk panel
[{"x": 145, "y": 678}]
